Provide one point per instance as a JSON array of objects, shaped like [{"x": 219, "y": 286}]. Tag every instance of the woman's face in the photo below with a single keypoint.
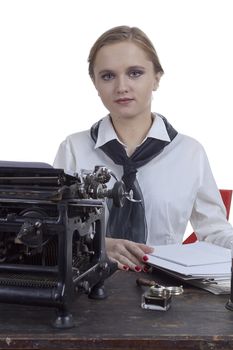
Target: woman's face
[{"x": 125, "y": 78}]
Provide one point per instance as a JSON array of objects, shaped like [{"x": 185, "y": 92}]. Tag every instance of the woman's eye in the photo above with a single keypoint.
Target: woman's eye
[
  {"x": 107, "y": 76},
  {"x": 135, "y": 73}
]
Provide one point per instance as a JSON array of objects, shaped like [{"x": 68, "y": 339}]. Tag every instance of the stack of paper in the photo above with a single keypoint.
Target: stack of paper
[{"x": 199, "y": 260}]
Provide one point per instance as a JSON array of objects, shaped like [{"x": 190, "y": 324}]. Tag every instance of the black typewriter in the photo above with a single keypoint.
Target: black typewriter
[{"x": 52, "y": 236}]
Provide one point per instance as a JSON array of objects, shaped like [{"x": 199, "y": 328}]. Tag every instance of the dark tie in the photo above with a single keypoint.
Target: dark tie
[{"x": 129, "y": 222}]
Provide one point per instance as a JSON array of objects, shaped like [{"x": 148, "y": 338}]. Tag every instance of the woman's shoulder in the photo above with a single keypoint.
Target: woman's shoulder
[
  {"x": 79, "y": 137},
  {"x": 181, "y": 139},
  {"x": 190, "y": 148},
  {"x": 189, "y": 141}
]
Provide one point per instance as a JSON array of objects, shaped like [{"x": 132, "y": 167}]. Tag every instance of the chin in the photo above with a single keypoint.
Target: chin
[{"x": 124, "y": 113}]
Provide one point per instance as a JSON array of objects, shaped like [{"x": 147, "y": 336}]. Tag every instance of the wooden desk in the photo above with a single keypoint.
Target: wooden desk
[{"x": 196, "y": 320}]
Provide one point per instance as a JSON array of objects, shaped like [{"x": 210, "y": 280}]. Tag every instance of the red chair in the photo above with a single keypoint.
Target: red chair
[{"x": 226, "y": 197}]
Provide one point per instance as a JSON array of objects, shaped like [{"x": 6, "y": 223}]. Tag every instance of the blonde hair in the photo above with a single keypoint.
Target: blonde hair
[{"x": 124, "y": 33}]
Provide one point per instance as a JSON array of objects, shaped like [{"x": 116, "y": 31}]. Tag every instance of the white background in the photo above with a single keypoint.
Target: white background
[{"x": 46, "y": 93}]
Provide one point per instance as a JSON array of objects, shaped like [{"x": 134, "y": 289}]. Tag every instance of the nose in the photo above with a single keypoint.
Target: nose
[{"x": 121, "y": 85}]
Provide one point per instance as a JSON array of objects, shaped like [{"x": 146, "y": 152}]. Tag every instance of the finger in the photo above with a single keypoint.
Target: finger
[
  {"x": 122, "y": 253},
  {"x": 127, "y": 253},
  {"x": 120, "y": 265},
  {"x": 129, "y": 257},
  {"x": 137, "y": 267},
  {"x": 136, "y": 250},
  {"x": 146, "y": 248}
]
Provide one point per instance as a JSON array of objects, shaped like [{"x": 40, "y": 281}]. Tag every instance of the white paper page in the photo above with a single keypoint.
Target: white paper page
[
  {"x": 198, "y": 271},
  {"x": 194, "y": 254}
]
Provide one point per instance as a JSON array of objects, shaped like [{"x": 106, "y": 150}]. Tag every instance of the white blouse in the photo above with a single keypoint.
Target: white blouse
[{"x": 177, "y": 185}]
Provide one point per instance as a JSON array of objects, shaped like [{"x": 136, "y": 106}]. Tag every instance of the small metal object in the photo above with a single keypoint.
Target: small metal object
[
  {"x": 129, "y": 196},
  {"x": 159, "y": 297},
  {"x": 161, "y": 291}
]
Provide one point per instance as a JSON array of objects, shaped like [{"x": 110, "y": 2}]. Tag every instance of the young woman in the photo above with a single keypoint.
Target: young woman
[{"x": 168, "y": 172}]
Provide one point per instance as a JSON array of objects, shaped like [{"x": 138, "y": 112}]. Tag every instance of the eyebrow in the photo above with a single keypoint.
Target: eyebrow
[{"x": 105, "y": 71}]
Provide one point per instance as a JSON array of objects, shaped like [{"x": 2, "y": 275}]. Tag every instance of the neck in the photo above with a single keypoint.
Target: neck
[{"x": 132, "y": 132}]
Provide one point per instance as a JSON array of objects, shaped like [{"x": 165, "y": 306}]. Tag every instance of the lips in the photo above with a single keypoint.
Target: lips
[{"x": 124, "y": 100}]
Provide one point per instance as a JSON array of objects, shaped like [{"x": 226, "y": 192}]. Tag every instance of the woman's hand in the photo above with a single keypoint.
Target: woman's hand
[{"x": 128, "y": 254}]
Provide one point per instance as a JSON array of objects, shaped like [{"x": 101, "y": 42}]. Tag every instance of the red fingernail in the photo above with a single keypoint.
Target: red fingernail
[
  {"x": 138, "y": 268},
  {"x": 125, "y": 267},
  {"x": 145, "y": 269},
  {"x": 145, "y": 258}
]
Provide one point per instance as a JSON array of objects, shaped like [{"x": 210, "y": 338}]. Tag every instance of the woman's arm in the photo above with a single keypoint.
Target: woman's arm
[{"x": 208, "y": 217}]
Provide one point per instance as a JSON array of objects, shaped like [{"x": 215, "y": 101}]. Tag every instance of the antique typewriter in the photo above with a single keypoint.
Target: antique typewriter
[{"x": 52, "y": 235}]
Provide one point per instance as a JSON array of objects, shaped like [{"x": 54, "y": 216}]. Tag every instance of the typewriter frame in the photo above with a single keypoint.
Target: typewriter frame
[{"x": 74, "y": 219}]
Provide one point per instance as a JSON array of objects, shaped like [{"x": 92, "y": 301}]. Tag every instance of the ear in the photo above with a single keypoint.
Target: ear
[{"x": 157, "y": 80}]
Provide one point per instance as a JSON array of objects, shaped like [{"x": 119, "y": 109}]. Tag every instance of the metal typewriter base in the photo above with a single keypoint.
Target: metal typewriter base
[
  {"x": 63, "y": 321},
  {"x": 98, "y": 292}
]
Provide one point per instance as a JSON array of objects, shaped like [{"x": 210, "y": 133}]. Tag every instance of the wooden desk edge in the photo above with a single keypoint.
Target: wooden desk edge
[{"x": 162, "y": 343}]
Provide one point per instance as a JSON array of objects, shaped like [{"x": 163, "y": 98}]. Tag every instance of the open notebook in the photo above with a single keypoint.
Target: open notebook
[{"x": 193, "y": 261}]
